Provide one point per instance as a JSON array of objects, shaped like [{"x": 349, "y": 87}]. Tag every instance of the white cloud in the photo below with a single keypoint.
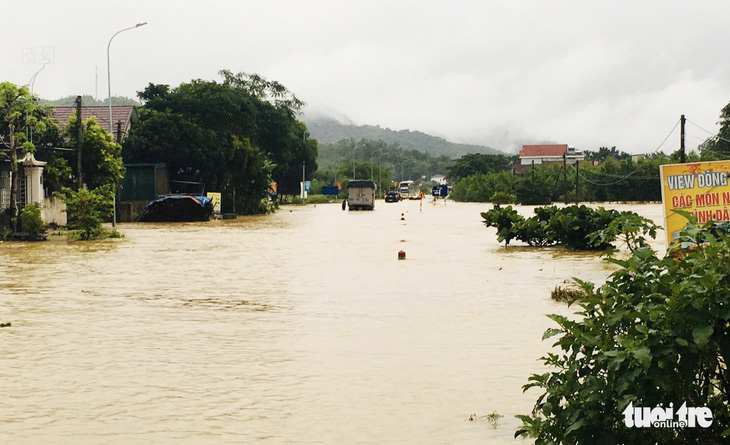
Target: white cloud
[{"x": 496, "y": 72}]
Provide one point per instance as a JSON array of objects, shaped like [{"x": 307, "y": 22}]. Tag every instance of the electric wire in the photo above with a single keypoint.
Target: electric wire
[
  {"x": 708, "y": 132},
  {"x": 665, "y": 139}
]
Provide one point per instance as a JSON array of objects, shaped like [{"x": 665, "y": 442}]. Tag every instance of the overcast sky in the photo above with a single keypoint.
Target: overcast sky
[{"x": 498, "y": 73}]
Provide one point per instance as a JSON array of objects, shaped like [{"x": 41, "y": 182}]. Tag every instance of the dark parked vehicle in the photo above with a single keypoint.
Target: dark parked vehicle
[{"x": 392, "y": 196}]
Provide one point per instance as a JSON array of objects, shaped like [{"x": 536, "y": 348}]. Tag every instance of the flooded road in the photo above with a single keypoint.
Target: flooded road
[{"x": 296, "y": 327}]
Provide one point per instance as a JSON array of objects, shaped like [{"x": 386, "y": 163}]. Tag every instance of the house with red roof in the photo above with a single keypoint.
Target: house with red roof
[
  {"x": 123, "y": 116},
  {"x": 542, "y": 154}
]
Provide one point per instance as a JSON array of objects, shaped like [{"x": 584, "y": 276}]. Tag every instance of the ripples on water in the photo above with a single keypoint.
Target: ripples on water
[{"x": 297, "y": 327}]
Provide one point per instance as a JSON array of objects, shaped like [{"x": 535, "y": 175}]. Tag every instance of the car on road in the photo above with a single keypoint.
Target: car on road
[{"x": 392, "y": 196}]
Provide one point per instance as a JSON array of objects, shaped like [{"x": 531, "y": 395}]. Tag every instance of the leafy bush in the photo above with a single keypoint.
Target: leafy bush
[
  {"x": 503, "y": 198},
  {"x": 657, "y": 332},
  {"x": 6, "y": 225},
  {"x": 575, "y": 227},
  {"x": 86, "y": 210},
  {"x": 506, "y": 220},
  {"x": 31, "y": 219}
]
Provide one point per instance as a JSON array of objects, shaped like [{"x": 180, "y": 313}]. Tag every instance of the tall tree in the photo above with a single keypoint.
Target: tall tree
[
  {"x": 718, "y": 146},
  {"x": 102, "y": 156},
  {"x": 18, "y": 118},
  {"x": 231, "y": 136}
]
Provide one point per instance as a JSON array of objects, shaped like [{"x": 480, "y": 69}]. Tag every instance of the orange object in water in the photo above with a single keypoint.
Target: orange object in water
[{"x": 402, "y": 255}]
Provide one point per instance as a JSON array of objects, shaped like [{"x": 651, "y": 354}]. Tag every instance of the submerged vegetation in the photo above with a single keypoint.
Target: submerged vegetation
[
  {"x": 575, "y": 227},
  {"x": 656, "y": 333}
]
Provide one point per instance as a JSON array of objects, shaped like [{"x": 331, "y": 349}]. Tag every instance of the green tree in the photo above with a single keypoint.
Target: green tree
[
  {"x": 102, "y": 157},
  {"x": 473, "y": 163},
  {"x": 86, "y": 209},
  {"x": 604, "y": 153},
  {"x": 232, "y": 136},
  {"x": 718, "y": 146},
  {"x": 19, "y": 117}
]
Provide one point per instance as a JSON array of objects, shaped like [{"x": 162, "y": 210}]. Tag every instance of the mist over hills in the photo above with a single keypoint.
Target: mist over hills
[{"x": 329, "y": 130}]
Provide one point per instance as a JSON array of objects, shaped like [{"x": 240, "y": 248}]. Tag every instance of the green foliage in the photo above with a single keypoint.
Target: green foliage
[
  {"x": 628, "y": 227},
  {"x": 322, "y": 199},
  {"x": 575, "y": 227},
  {"x": 234, "y": 137},
  {"x": 31, "y": 219},
  {"x": 21, "y": 119},
  {"x": 604, "y": 153},
  {"x": 718, "y": 147},
  {"x": 387, "y": 162},
  {"x": 86, "y": 210},
  {"x": 506, "y": 220},
  {"x": 6, "y": 225},
  {"x": 481, "y": 187},
  {"x": 501, "y": 197},
  {"x": 58, "y": 174},
  {"x": 473, "y": 163},
  {"x": 657, "y": 332},
  {"x": 537, "y": 186},
  {"x": 102, "y": 157}
]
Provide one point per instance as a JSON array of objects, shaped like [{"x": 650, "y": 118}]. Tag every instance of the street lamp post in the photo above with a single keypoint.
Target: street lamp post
[
  {"x": 371, "y": 162},
  {"x": 109, "y": 90},
  {"x": 380, "y": 173},
  {"x": 353, "y": 162}
]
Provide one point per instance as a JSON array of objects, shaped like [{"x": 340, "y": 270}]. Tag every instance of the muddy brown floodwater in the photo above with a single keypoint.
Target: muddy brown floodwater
[{"x": 296, "y": 327}]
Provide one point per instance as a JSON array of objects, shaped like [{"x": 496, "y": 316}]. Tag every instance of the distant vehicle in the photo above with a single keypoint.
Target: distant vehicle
[
  {"x": 177, "y": 208},
  {"x": 392, "y": 196},
  {"x": 408, "y": 189},
  {"x": 361, "y": 194}
]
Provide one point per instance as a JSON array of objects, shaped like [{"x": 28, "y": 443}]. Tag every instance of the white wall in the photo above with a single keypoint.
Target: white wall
[{"x": 54, "y": 211}]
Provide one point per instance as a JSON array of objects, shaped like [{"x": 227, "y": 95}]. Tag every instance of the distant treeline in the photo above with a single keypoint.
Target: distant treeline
[
  {"x": 330, "y": 131},
  {"x": 88, "y": 100},
  {"x": 610, "y": 180}
]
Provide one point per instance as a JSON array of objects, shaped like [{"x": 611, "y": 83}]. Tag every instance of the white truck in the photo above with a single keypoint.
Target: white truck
[{"x": 361, "y": 194}]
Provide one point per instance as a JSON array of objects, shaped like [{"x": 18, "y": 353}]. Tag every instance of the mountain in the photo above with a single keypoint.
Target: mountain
[{"x": 329, "y": 130}]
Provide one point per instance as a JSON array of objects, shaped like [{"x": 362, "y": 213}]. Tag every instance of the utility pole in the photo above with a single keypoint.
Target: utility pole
[
  {"x": 565, "y": 178},
  {"x": 304, "y": 192},
  {"x": 576, "y": 181},
  {"x": 79, "y": 141},
  {"x": 683, "y": 157}
]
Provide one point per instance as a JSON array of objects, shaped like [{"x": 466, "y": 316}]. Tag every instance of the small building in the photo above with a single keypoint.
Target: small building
[
  {"x": 543, "y": 154},
  {"x": 123, "y": 116},
  {"x": 141, "y": 184},
  {"x": 439, "y": 179}
]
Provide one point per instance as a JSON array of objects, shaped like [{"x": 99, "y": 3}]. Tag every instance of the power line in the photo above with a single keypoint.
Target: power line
[
  {"x": 665, "y": 139},
  {"x": 708, "y": 132}
]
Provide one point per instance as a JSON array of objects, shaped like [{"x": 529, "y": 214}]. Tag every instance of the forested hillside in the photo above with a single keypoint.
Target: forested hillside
[{"x": 330, "y": 131}]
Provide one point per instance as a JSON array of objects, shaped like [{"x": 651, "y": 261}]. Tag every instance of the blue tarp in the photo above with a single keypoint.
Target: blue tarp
[
  {"x": 177, "y": 208},
  {"x": 202, "y": 200}
]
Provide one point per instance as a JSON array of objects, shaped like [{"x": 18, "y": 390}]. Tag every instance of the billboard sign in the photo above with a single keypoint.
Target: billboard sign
[
  {"x": 216, "y": 200},
  {"x": 700, "y": 188}
]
